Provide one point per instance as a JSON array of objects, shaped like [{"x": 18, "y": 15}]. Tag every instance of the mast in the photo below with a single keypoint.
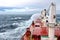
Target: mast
[
  {"x": 52, "y": 21},
  {"x": 52, "y": 13}
]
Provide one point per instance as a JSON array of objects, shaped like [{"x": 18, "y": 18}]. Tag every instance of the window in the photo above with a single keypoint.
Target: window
[
  {"x": 54, "y": 16},
  {"x": 42, "y": 17},
  {"x": 55, "y": 24},
  {"x": 46, "y": 21},
  {"x": 44, "y": 9},
  {"x": 45, "y": 14},
  {"x": 37, "y": 25}
]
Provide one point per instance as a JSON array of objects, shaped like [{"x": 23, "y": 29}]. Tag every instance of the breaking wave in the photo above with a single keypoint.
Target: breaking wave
[
  {"x": 12, "y": 27},
  {"x": 13, "y": 31}
]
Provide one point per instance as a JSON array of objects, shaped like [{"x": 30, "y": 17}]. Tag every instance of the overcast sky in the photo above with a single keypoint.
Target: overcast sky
[{"x": 24, "y": 6}]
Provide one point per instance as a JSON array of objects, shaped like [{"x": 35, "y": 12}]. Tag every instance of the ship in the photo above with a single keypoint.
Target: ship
[{"x": 44, "y": 26}]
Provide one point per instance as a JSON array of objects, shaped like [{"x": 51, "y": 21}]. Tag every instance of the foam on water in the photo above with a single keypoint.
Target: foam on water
[{"x": 17, "y": 33}]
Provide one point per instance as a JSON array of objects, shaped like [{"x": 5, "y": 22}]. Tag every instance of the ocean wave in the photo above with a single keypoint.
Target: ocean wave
[
  {"x": 7, "y": 27},
  {"x": 16, "y": 32},
  {"x": 17, "y": 18}
]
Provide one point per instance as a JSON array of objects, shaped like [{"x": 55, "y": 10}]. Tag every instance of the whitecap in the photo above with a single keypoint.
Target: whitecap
[{"x": 16, "y": 33}]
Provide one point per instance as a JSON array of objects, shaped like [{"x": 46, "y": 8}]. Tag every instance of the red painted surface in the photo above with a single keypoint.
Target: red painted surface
[
  {"x": 44, "y": 31},
  {"x": 36, "y": 31},
  {"x": 57, "y": 31}
]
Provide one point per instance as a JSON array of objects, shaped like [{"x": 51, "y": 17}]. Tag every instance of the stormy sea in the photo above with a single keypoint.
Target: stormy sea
[{"x": 12, "y": 27}]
